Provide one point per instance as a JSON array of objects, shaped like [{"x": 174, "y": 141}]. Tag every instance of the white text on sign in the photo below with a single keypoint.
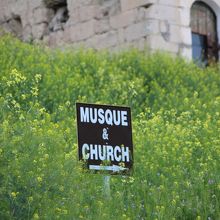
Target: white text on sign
[
  {"x": 101, "y": 116},
  {"x": 105, "y": 152}
]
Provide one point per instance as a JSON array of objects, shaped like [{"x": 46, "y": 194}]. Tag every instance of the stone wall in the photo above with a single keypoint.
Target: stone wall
[{"x": 113, "y": 24}]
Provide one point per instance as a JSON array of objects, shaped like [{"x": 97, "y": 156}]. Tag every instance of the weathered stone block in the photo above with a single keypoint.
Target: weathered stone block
[
  {"x": 129, "y": 4},
  {"x": 79, "y": 45},
  {"x": 140, "y": 44},
  {"x": 106, "y": 40},
  {"x": 164, "y": 12},
  {"x": 121, "y": 36},
  {"x": 156, "y": 42},
  {"x": 121, "y": 47},
  {"x": 68, "y": 34},
  {"x": 175, "y": 34},
  {"x": 185, "y": 52},
  {"x": 73, "y": 18},
  {"x": 109, "y": 8},
  {"x": 184, "y": 16},
  {"x": 18, "y": 7},
  {"x": 71, "y": 6},
  {"x": 101, "y": 13},
  {"x": 141, "y": 14},
  {"x": 2, "y": 12},
  {"x": 27, "y": 18},
  {"x": 174, "y": 3},
  {"x": 186, "y": 35},
  {"x": 39, "y": 30},
  {"x": 90, "y": 42},
  {"x": 74, "y": 4},
  {"x": 165, "y": 30},
  {"x": 87, "y": 29},
  {"x": 34, "y": 4},
  {"x": 6, "y": 27},
  {"x": 124, "y": 19},
  {"x": 56, "y": 39},
  {"x": 164, "y": 26},
  {"x": 102, "y": 26},
  {"x": 87, "y": 12},
  {"x": 7, "y": 5},
  {"x": 141, "y": 29},
  {"x": 27, "y": 33},
  {"x": 41, "y": 15},
  {"x": 180, "y": 34},
  {"x": 81, "y": 31},
  {"x": 13, "y": 26}
]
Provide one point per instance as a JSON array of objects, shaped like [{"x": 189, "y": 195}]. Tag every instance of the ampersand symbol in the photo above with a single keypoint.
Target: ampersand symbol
[{"x": 105, "y": 134}]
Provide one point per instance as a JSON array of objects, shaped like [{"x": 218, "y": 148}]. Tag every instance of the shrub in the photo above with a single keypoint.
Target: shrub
[{"x": 175, "y": 108}]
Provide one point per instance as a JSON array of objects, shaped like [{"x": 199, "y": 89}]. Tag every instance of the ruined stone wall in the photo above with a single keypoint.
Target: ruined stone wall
[{"x": 113, "y": 24}]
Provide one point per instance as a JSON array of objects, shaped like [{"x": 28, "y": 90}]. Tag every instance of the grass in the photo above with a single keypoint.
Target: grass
[{"x": 176, "y": 125}]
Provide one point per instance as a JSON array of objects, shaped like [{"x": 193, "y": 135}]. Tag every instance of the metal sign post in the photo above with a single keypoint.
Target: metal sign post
[{"x": 107, "y": 189}]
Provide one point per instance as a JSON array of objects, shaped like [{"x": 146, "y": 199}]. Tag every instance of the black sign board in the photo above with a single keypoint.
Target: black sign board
[{"x": 105, "y": 137}]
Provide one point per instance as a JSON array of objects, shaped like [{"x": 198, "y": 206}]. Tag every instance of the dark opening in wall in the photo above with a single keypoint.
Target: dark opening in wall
[
  {"x": 14, "y": 25},
  {"x": 146, "y": 6},
  {"x": 55, "y": 3},
  {"x": 61, "y": 14}
]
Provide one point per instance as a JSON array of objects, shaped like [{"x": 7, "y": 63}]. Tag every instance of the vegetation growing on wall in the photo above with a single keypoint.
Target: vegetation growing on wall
[{"x": 176, "y": 125}]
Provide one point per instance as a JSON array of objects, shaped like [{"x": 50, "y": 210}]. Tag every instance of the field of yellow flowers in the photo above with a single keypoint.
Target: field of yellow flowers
[{"x": 176, "y": 133}]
